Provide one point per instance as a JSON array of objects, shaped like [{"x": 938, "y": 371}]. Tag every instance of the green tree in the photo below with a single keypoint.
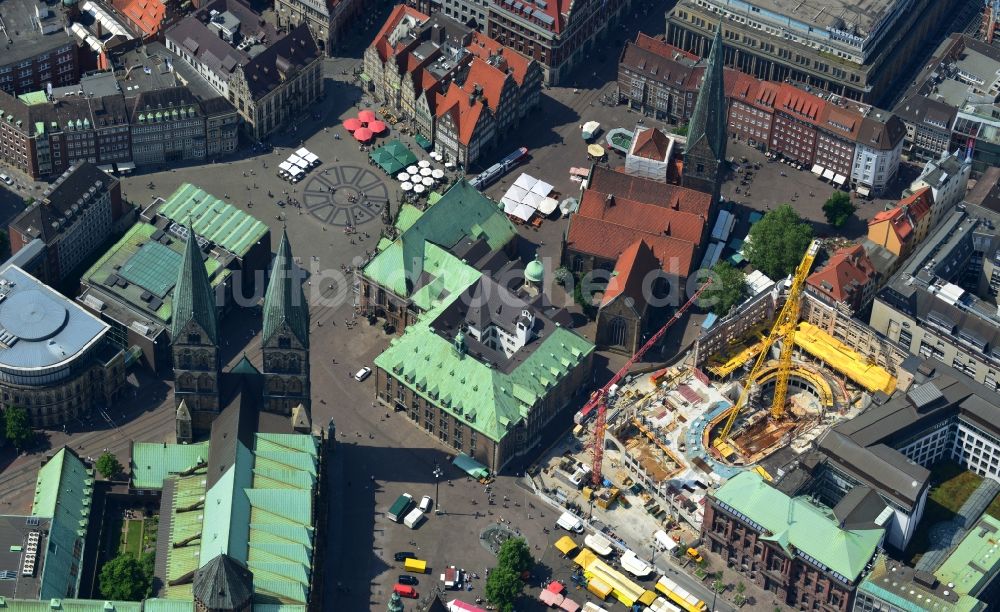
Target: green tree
[
  {"x": 503, "y": 587},
  {"x": 515, "y": 554},
  {"x": 741, "y": 590},
  {"x": 778, "y": 241},
  {"x": 17, "y": 428},
  {"x": 728, "y": 288},
  {"x": 681, "y": 130},
  {"x": 108, "y": 465},
  {"x": 127, "y": 578},
  {"x": 838, "y": 209}
]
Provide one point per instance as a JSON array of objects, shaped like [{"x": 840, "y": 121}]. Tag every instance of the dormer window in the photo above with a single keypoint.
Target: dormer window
[
  {"x": 284, "y": 342},
  {"x": 194, "y": 338}
]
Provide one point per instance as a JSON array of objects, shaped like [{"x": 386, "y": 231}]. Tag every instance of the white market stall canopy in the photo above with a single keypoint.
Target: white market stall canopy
[
  {"x": 526, "y": 196},
  {"x": 287, "y": 167}
]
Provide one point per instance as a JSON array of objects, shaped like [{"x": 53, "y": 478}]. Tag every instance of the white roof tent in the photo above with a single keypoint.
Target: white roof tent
[
  {"x": 828, "y": 174},
  {"x": 526, "y": 196},
  {"x": 839, "y": 179},
  {"x": 308, "y": 156},
  {"x": 817, "y": 169}
]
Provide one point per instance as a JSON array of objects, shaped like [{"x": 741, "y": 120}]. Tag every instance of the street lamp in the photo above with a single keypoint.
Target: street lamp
[{"x": 437, "y": 489}]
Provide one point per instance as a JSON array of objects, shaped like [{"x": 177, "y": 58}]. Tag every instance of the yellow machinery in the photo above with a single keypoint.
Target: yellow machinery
[{"x": 784, "y": 330}]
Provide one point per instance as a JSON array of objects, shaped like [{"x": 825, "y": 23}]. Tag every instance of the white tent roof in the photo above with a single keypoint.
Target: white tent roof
[
  {"x": 525, "y": 182},
  {"x": 287, "y": 167},
  {"x": 310, "y": 157},
  {"x": 541, "y": 188},
  {"x": 523, "y": 212},
  {"x": 547, "y": 206},
  {"x": 516, "y": 193},
  {"x": 509, "y": 206},
  {"x": 591, "y": 126},
  {"x": 296, "y": 171},
  {"x": 294, "y": 159}
]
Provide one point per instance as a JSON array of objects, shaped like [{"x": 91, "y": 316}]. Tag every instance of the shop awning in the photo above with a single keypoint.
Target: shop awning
[
  {"x": 839, "y": 179},
  {"x": 470, "y": 466},
  {"x": 365, "y": 78},
  {"x": 828, "y": 174},
  {"x": 863, "y": 191},
  {"x": 422, "y": 142},
  {"x": 565, "y": 545},
  {"x": 817, "y": 169}
]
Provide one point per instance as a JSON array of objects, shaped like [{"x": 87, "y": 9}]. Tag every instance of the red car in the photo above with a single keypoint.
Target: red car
[{"x": 404, "y": 590}]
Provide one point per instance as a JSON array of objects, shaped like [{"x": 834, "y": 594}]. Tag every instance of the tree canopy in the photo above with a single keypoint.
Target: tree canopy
[
  {"x": 728, "y": 288},
  {"x": 838, "y": 209},
  {"x": 778, "y": 241},
  {"x": 127, "y": 578},
  {"x": 515, "y": 554},
  {"x": 108, "y": 465},
  {"x": 503, "y": 587},
  {"x": 17, "y": 427}
]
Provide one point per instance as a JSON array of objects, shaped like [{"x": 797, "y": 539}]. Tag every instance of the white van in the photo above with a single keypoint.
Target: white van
[
  {"x": 414, "y": 518},
  {"x": 570, "y": 522}
]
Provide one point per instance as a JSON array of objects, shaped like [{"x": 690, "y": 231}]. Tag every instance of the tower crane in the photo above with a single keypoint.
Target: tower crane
[
  {"x": 597, "y": 400},
  {"x": 784, "y": 330}
]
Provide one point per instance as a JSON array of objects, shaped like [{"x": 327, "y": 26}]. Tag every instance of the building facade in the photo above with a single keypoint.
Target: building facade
[
  {"x": 74, "y": 217},
  {"x": 658, "y": 79},
  {"x": 558, "y": 35},
  {"x": 858, "y": 54},
  {"x": 879, "y": 150},
  {"x": 947, "y": 177},
  {"x": 326, "y": 19},
  {"x": 53, "y": 386},
  {"x": 172, "y": 125}
]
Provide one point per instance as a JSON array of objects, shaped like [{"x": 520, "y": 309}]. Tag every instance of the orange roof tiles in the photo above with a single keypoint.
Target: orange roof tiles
[
  {"x": 381, "y": 41},
  {"x": 464, "y": 113},
  {"x": 489, "y": 78},
  {"x": 629, "y": 275},
  {"x": 919, "y": 203},
  {"x": 842, "y": 121},
  {"x": 609, "y": 241},
  {"x": 802, "y": 104},
  {"x": 650, "y": 192},
  {"x": 847, "y": 271},
  {"x": 641, "y": 217},
  {"x": 898, "y": 220},
  {"x": 146, "y": 14},
  {"x": 651, "y": 144},
  {"x": 658, "y": 46},
  {"x": 484, "y": 47}
]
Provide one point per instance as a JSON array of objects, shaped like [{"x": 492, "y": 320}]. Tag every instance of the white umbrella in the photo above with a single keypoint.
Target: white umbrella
[
  {"x": 425, "y": 171},
  {"x": 438, "y": 173},
  {"x": 412, "y": 169},
  {"x": 449, "y": 165},
  {"x": 406, "y": 186},
  {"x": 403, "y": 176},
  {"x": 424, "y": 163},
  {"x": 428, "y": 181},
  {"x": 418, "y": 188},
  {"x": 436, "y": 155}
]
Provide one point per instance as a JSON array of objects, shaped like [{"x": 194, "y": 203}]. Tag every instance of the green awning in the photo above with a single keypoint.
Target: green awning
[
  {"x": 470, "y": 466},
  {"x": 423, "y": 142},
  {"x": 365, "y": 78}
]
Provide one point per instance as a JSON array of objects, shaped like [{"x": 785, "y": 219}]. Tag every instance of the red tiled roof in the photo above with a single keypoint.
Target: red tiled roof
[
  {"x": 766, "y": 95},
  {"x": 742, "y": 87},
  {"x": 483, "y": 47},
  {"x": 842, "y": 121},
  {"x": 464, "y": 113},
  {"x": 146, "y": 14},
  {"x": 631, "y": 269},
  {"x": 381, "y": 40},
  {"x": 647, "y": 218},
  {"x": 490, "y": 78},
  {"x": 898, "y": 220},
  {"x": 554, "y": 9},
  {"x": 800, "y": 104},
  {"x": 651, "y": 143},
  {"x": 609, "y": 241},
  {"x": 918, "y": 203},
  {"x": 661, "y": 48},
  {"x": 847, "y": 271},
  {"x": 649, "y": 191}
]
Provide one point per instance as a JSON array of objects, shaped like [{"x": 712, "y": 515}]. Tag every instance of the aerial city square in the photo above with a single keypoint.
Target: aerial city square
[{"x": 515, "y": 305}]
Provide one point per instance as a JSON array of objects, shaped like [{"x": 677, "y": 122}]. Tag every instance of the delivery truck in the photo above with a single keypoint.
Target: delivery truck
[
  {"x": 400, "y": 507},
  {"x": 570, "y": 522},
  {"x": 414, "y": 518}
]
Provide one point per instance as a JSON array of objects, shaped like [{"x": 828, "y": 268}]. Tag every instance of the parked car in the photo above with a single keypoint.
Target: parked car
[
  {"x": 6, "y": 179},
  {"x": 403, "y": 556},
  {"x": 363, "y": 373},
  {"x": 408, "y": 579},
  {"x": 425, "y": 503}
]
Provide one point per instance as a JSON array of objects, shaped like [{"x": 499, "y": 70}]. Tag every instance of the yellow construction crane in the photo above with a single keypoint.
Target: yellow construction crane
[{"x": 783, "y": 329}]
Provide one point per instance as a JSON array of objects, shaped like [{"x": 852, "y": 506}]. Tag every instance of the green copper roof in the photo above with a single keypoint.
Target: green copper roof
[
  {"x": 77, "y": 605},
  {"x": 797, "y": 524},
  {"x": 907, "y": 596},
  {"x": 154, "y": 461},
  {"x": 214, "y": 219},
  {"x": 167, "y": 605},
  {"x": 975, "y": 561},
  {"x": 487, "y": 399},
  {"x": 34, "y": 97},
  {"x": 244, "y": 367},
  {"x": 194, "y": 299},
  {"x": 186, "y": 518},
  {"x": 708, "y": 120},
  {"x": 534, "y": 271},
  {"x": 63, "y": 491},
  {"x": 408, "y": 215},
  {"x": 284, "y": 302},
  {"x": 463, "y": 213}
]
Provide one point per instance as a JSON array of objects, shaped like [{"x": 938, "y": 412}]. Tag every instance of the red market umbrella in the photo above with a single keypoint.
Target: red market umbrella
[
  {"x": 352, "y": 124},
  {"x": 363, "y": 134},
  {"x": 366, "y": 116},
  {"x": 377, "y": 127}
]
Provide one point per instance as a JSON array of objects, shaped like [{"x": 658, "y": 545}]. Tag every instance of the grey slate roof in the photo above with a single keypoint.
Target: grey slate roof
[
  {"x": 193, "y": 295},
  {"x": 37, "y": 220},
  {"x": 284, "y": 302},
  {"x": 223, "y": 584},
  {"x": 708, "y": 121},
  {"x": 280, "y": 61}
]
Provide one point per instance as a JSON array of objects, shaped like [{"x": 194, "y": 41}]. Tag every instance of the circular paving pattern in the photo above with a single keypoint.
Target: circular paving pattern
[{"x": 336, "y": 195}]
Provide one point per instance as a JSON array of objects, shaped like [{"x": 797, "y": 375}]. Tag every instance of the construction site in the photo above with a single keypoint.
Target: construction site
[{"x": 671, "y": 435}]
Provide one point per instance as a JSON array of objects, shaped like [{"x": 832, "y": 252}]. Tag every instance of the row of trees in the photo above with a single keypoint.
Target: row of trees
[{"x": 504, "y": 584}]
